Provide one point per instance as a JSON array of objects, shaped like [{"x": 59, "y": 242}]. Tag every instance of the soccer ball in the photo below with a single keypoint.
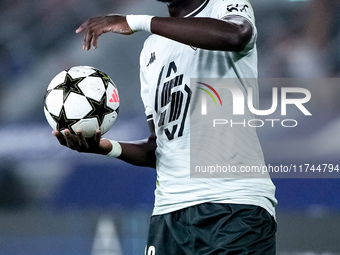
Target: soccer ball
[{"x": 81, "y": 98}]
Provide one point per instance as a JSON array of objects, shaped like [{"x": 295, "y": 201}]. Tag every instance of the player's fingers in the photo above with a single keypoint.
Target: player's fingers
[
  {"x": 95, "y": 30},
  {"x": 88, "y": 39},
  {"x": 83, "y": 26},
  {"x": 59, "y": 136},
  {"x": 69, "y": 140},
  {"x": 97, "y": 136},
  {"x": 80, "y": 29},
  {"x": 83, "y": 145},
  {"x": 94, "y": 40}
]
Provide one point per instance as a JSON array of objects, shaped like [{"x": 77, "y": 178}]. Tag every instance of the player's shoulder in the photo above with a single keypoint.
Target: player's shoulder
[{"x": 243, "y": 8}]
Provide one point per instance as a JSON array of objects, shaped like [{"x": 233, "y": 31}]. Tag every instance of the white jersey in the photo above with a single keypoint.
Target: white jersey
[{"x": 166, "y": 69}]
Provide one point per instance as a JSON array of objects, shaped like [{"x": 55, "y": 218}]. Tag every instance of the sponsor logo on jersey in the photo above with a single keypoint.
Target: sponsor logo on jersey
[{"x": 152, "y": 58}]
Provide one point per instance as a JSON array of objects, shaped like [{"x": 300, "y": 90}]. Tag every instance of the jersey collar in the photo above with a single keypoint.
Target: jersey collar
[{"x": 198, "y": 10}]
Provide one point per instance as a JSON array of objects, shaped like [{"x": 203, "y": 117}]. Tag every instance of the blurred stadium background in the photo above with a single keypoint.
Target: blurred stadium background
[{"x": 58, "y": 202}]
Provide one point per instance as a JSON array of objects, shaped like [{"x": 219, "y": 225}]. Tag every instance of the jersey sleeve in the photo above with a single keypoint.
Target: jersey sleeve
[{"x": 242, "y": 8}]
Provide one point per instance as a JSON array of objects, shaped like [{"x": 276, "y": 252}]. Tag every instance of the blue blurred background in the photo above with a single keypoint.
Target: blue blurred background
[{"x": 56, "y": 201}]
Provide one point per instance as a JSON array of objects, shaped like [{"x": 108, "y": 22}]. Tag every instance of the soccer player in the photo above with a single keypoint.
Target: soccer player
[{"x": 201, "y": 38}]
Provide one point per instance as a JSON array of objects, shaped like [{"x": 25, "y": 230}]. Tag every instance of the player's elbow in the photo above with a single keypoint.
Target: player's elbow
[{"x": 238, "y": 39}]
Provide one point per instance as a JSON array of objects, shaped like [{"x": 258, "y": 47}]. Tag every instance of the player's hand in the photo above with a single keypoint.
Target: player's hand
[
  {"x": 78, "y": 142},
  {"x": 94, "y": 27}
]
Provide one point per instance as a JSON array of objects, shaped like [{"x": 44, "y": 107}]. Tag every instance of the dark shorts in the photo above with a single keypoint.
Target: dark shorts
[{"x": 213, "y": 229}]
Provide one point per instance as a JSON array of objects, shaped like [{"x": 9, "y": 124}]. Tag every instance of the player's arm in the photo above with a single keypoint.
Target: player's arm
[
  {"x": 140, "y": 153},
  {"x": 231, "y": 34}
]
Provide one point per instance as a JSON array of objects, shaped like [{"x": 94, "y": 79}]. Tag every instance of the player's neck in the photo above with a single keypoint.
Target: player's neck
[{"x": 184, "y": 7}]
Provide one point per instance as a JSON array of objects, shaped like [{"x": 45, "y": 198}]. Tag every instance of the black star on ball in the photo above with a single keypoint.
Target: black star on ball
[
  {"x": 70, "y": 85},
  {"x": 99, "y": 110},
  {"x": 63, "y": 122}
]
